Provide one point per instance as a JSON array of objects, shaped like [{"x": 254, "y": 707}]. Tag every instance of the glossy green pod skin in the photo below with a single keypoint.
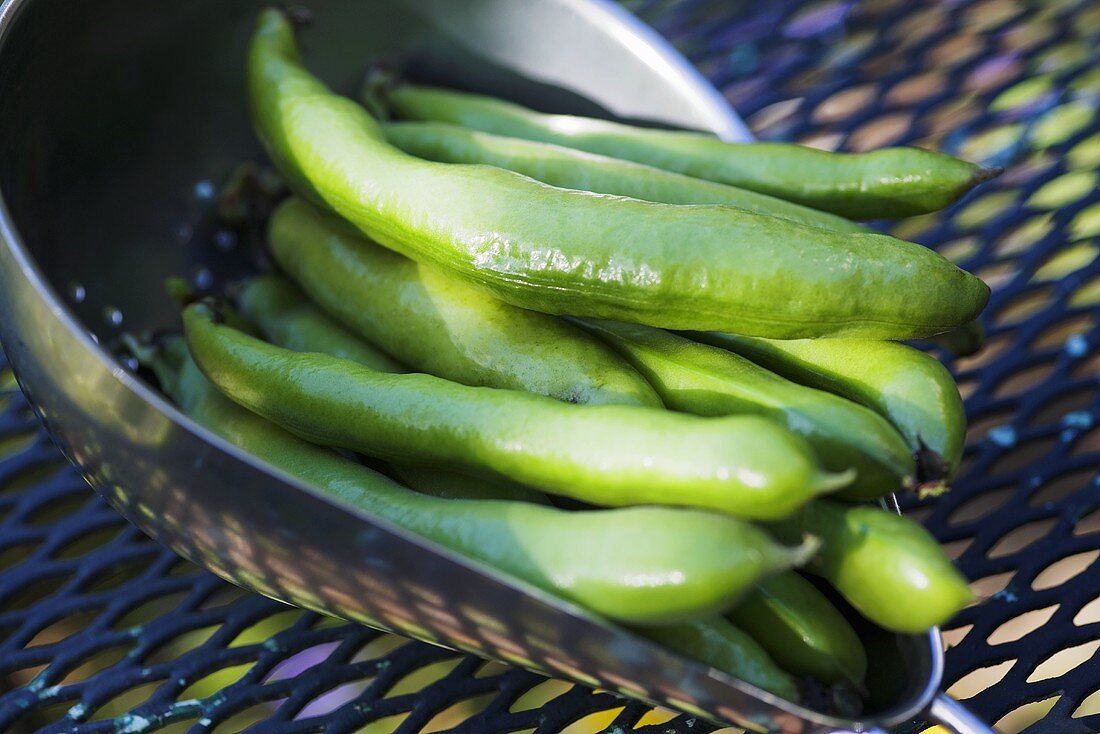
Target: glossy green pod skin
[
  {"x": 722, "y": 646},
  {"x": 610, "y": 455},
  {"x": 801, "y": 630},
  {"x": 906, "y": 386},
  {"x": 568, "y": 168},
  {"x": 286, "y": 317},
  {"x": 888, "y": 567},
  {"x": 457, "y": 486},
  {"x": 436, "y": 324},
  {"x": 641, "y": 565},
  {"x": 561, "y": 251},
  {"x": 705, "y": 380},
  {"x": 887, "y": 183}
]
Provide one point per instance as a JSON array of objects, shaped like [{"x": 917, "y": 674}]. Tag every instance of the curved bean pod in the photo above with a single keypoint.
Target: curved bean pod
[
  {"x": 704, "y": 380},
  {"x": 906, "y": 386},
  {"x": 888, "y": 567},
  {"x": 722, "y": 646},
  {"x": 285, "y": 317},
  {"x": 436, "y": 324},
  {"x": 604, "y": 454},
  {"x": 575, "y": 169},
  {"x": 693, "y": 564},
  {"x": 572, "y": 252},
  {"x": 886, "y": 183},
  {"x": 801, "y": 630}
]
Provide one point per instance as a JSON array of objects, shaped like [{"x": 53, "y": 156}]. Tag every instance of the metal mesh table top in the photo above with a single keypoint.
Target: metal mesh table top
[{"x": 137, "y": 640}]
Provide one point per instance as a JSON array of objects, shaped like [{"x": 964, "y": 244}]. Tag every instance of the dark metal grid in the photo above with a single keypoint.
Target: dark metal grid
[{"x": 835, "y": 74}]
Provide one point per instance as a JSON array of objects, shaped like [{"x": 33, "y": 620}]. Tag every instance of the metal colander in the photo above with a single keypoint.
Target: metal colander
[{"x": 139, "y": 640}]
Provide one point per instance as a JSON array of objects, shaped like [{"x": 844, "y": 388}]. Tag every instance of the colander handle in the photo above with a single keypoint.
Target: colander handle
[
  {"x": 951, "y": 714},
  {"x": 948, "y": 713}
]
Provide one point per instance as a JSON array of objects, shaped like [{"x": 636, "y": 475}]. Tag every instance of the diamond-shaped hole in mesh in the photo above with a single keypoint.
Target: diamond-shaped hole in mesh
[
  {"x": 1021, "y": 717},
  {"x": 266, "y": 628},
  {"x": 995, "y": 346},
  {"x": 123, "y": 572},
  {"x": 953, "y": 637},
  {"x": 490, "y": 668},
  {"x": 13, "y": 555},
  {"x": 537, "y": 696},
  {"x": 223, "y": 596},
  {"x": 1025, "y": 305},
  {"x": 1064, "y": 569},
  {"x": 379, "y": 647},
  {"x": 34, "y": 474},
  {"x": 242, "y": 720},
  {"x": 63, "y": 628},
  {"x": 596, "y": 721},
  {"x": 422, "y": 677},
  {"x": 458, "y": 713},
  {"x": 979, "y": 680},
  {"x": 1090, "y": 705},
  {"x": 214, "y": 682},
  {"x": 1022, "y": 537},
  {"x": 980, "y": 506},
  {"x": 1024, "y": 380},
  {"x": 1023, "y": 455},
  {"x": 988, "y": 586},
  {"x": 1090, "y": 523},
  {"x": 880, "y": 131},
  {"x": 59, "y": 508},
  {"x": 1064, "y": 661},
  {"x": 656, "y": 717},
  {"x": 91, "y": 540},
  {"x": 335, "y": 697},
  {"x": 150, "y": 610},
  {"x": 1061, "y": 487},
  {"x": 301, "y": 661},
  {"x": 980, "y": 425},
  {"x": 34, "y": 591},
  {"x": 126, "y": 700},
  {"x": 1021, "y": 626},
  {"x": 96, "y": 663},
  {"x": 1087, "y": 443},
  {"x": 1060, "y": 332},
  {"x": 180, "y": 644}
]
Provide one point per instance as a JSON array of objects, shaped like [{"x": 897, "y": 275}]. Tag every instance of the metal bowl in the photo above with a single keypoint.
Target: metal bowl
[{"x": 117, "y": 118}]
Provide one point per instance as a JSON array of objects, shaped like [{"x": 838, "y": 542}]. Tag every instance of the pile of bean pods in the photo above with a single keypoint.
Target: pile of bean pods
[{"x": 653, "y": 373}]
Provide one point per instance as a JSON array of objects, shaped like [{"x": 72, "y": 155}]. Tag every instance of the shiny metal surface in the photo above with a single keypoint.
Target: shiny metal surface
[{"x": 112, "y": 113}]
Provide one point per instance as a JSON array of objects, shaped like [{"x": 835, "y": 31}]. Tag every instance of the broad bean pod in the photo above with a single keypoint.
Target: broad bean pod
[
  {"x": 885, "y": 183},
  {"x": 609, "y": 455},
  {"x": 571, "y": 252}
]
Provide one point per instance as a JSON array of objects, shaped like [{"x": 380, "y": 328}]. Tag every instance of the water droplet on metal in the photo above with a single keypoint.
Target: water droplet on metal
[
  {"x": 203, "y": 279},
  {"x": 1077, "y": 345},
  {"x": 184, "y": 232},
  {"x": 112, "y": 316},
  {"x": 77, "y": 292},
  {"x": 204, "y": 190}
]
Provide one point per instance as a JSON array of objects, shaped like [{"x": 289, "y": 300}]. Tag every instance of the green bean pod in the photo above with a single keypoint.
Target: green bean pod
[
  {"x": 575, "y": 169},
  {"x": 886, "y": 183},
  {"x": 888, "y": 567},
  {"x": 285, "y": 317},
  {"x": 603, "y": 454},
  {"x": 705, "y": 380},
  {"x": 641, "y": 565},
  {"x": 561, "y": 251},
  {"x": 436, "y": 324},
  {"x": 906, "y": 386},
  {"x": 721, "y": 645},
  {"x": 801, "y": 630},
  {"x": 457, "y": 486}
]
